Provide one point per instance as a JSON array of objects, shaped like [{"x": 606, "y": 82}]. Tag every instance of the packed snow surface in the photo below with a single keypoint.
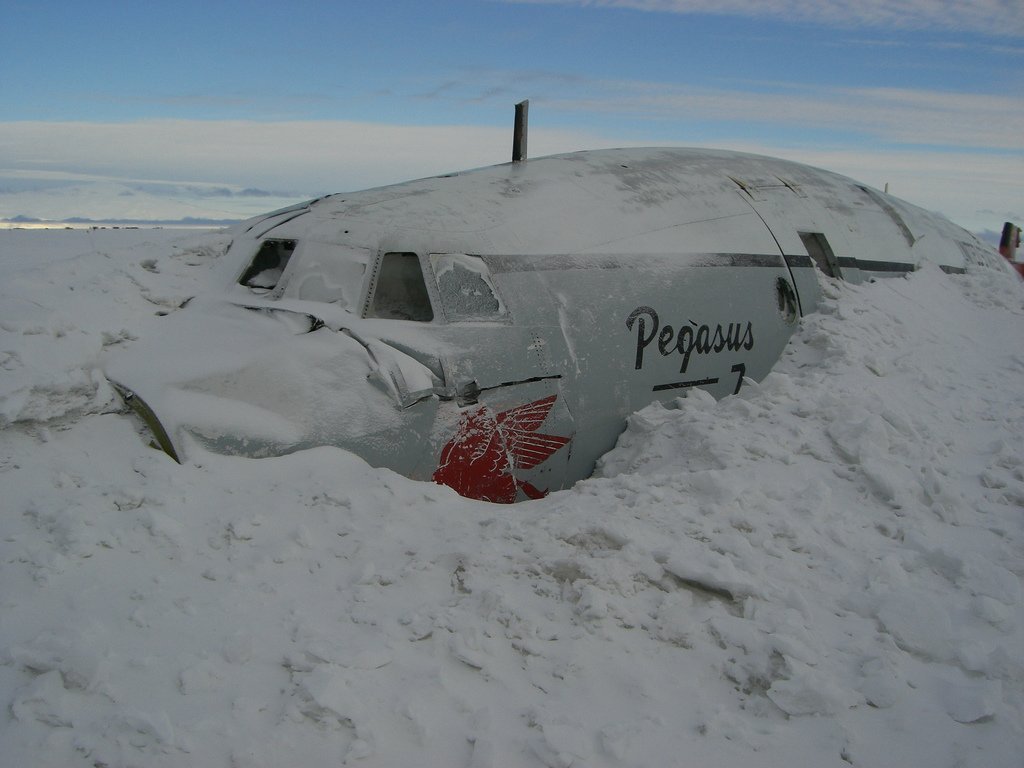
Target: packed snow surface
[{"x": 824, "y": 570}]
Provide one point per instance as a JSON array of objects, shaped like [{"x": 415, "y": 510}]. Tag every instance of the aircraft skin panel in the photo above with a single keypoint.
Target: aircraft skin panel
[
  {"x": 657, "y": 331},
  {"x": 492, "y": 329}
]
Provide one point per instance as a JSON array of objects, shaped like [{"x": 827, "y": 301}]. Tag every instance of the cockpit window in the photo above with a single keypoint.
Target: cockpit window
[
  {"x": 399, "y": 291},
  {"x": 464, "y": 285},
  {"x": 328, "y": 273},
  {"x": 268, "y": 265}
]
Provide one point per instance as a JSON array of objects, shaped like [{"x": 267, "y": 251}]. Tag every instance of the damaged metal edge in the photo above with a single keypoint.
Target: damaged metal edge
[{"x": 140, "y": 406}]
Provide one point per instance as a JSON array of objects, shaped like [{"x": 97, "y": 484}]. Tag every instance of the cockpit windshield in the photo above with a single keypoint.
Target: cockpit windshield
[
  {"x": 307, "y": 270},
  {"x": 268, "y": 265},
  {"x": 399, "y": 291}
]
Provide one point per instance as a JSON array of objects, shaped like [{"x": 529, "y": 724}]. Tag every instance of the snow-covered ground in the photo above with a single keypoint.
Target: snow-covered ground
[{"x": 824, "y": 570}]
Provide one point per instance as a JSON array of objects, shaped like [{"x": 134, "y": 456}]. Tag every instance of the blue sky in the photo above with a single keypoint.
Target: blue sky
[{"x": 197, "y": 102}]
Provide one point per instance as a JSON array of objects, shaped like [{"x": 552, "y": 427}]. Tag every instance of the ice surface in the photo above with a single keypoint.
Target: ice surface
[{"x": 823, "y": 570}]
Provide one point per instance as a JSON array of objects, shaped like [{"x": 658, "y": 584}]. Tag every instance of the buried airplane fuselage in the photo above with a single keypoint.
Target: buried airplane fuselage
[{"x": 491, "y": 330}]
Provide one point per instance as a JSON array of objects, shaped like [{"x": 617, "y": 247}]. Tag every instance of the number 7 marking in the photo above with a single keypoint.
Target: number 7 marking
[{"x": 741, "y": 369}]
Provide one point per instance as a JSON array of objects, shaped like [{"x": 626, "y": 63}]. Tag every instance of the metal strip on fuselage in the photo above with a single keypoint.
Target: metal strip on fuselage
[
  {"x": 559, "y": 262},
  {"x": 865, "y": 265}
]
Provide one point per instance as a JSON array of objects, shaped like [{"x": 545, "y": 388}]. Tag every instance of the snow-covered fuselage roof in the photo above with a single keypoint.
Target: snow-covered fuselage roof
[{"x": 629, "y": 201}]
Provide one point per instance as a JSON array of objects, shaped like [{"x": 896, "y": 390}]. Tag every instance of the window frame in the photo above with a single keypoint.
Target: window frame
[
  {"x": 501, "y": 316},
  {"x": 275, "y": 291},
  {"x": 373, "y": 280}
]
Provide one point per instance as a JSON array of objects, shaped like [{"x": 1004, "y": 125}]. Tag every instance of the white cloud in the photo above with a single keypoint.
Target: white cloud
[
  {"x": 315, "y": 157},
  {"x": 994, "y": 17},
  {"x": 894, "y": 115}
]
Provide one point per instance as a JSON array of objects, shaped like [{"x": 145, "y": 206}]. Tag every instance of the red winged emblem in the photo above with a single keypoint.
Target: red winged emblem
[{"x": 481, "y": 460}]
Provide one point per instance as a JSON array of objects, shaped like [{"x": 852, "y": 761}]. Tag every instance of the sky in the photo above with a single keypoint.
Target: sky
[{"x": 224, "y": 109}]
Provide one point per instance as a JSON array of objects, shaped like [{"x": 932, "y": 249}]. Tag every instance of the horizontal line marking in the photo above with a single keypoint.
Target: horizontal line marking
[
  {"x": 505, "y": 263},
  {"x": 684, "y": 384}
]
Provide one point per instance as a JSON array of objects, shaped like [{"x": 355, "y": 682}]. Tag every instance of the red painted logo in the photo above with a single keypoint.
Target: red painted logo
[{"x": 481, "y": 461}]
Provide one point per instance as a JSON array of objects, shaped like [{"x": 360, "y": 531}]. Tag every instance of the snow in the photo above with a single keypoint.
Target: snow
[{"x": 822, "y": 570}]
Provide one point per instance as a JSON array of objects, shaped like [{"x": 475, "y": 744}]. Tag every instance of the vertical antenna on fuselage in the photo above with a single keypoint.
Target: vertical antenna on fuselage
[{"x": 519, "y": 131}]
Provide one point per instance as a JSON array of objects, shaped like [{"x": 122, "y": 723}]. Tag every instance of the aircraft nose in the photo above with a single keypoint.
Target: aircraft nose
[
  {"x": 200, "y": 342},
  {"x": 251, "y": 383}
]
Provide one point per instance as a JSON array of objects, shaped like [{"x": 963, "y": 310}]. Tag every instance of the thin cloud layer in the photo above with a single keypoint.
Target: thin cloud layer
[
  {"x": 891, "y": 114},
  {"x": 994, "y": 17},
  {"x": 310, "y": 158}
]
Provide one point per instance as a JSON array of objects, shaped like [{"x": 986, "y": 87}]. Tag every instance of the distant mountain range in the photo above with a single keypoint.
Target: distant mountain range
[
  {"x": 35, "y": 202},
  {"x": 79, "y": 222}
]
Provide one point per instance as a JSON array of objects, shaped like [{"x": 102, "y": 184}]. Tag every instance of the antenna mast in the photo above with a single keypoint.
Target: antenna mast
[{"x": 519, "y": 131}]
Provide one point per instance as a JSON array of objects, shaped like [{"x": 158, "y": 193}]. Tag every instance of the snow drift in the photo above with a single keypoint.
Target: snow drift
[{"x": 822, "y": 570}]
